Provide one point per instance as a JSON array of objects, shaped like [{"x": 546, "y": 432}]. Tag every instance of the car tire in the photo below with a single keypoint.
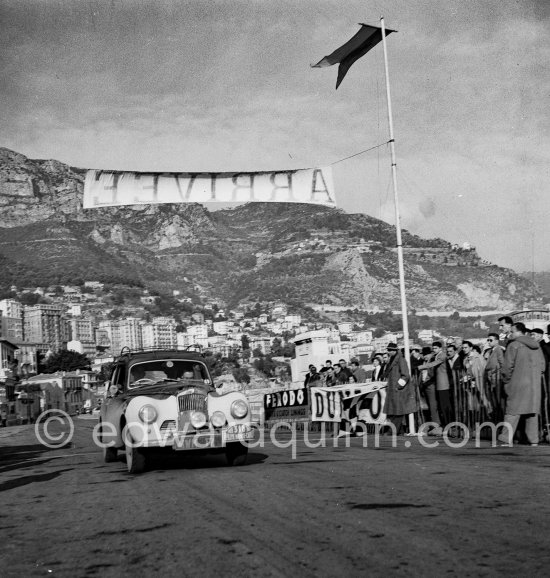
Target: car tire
[
  {"x": 135, "y": 460},
  {"x": 110, "y": 454},
  {"x": 236, "y": 454}
]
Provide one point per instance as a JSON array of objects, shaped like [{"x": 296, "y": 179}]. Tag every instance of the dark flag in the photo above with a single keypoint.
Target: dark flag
[{"x": 367, "y": 37}]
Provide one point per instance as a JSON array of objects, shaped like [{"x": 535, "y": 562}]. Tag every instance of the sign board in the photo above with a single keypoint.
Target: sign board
[
  {"x": 116, "y": 188},
  {"x": 362, "y": 400},
  {"x": 289, "y": 405}
]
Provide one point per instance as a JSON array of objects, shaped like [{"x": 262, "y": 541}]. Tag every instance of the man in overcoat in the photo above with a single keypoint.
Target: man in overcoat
[
  {"x": 521, "y": 373},
  {"x": 400, "y": 394}
]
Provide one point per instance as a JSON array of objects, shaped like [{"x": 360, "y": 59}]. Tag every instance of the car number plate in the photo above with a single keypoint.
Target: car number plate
[
  {"x": 196, "y": 442},
  {"x": 239, "y": 433}
]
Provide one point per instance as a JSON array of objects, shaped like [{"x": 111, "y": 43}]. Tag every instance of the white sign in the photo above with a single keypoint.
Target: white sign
[
  {"x": 365, "y": 401},
  {"x": 115, "y": 188}
]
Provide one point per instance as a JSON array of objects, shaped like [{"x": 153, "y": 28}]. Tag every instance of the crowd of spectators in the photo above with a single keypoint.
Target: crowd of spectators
[{"x": 504, "y": 381}]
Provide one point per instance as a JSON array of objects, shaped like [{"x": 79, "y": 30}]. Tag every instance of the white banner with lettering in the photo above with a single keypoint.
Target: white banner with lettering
[
  {"x": 115, "y": 188},
  {"x": 345, "y": 402}
]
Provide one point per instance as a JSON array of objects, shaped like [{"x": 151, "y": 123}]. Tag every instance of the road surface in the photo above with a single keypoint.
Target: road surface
[{"x": 328, "y": 511}]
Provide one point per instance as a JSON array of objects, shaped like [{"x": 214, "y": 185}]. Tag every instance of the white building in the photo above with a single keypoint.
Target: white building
[
  {"x": 315, "y": 347},
  {"x": 159, "y": 335},
  {"x": 75, "y": 310},
  {"x": 221, "y": 327},
  {"x": 11, "y": 320},
  {"x": 85, "y": 347},
  {"x": 345, "y": 327},
  {"x": 261, "y": 343},
  {"x": 361, "y": 336},
  {"x": 123, "y": 333},
  {"x": 425, "y": 335},
  {"x": 195, "y": 332},
  {"x": 295, "y": 320}
]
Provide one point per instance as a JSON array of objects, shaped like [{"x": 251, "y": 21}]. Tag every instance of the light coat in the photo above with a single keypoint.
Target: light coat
[
  {"x": 522, "y": 374},
  {"x": 441, "y": 375}
]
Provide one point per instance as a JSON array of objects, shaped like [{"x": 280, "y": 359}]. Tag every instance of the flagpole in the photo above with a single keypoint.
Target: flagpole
[{"x": 412, "y": 428}]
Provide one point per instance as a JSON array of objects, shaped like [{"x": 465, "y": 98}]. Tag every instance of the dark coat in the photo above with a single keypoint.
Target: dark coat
[
  {"x": 522, "y": 374},
  {"x": 399, "y": 401}
]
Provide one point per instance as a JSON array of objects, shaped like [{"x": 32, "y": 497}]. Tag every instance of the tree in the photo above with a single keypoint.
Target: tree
[
  {"x": 245, "y": 342},
  {"x": 241, "y": 375},
  {"x": 277, "y": 347},
  {"x": 66, "y": 360},
  {"x": 378, "y": 332},
  {"x": 30, "y": 299},
  {"x": 105, "y": 371}
]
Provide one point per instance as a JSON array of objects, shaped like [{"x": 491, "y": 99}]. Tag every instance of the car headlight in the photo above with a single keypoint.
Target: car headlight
[
  {"x": 217, "y": 419},
  {"x": 198, "y": 419},
  {"x": 239, "y": 409},
  {"x": 147, "y": 414}
]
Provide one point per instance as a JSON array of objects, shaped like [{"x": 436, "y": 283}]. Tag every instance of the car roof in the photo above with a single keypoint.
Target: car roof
[{"x": 139, "y": 356}]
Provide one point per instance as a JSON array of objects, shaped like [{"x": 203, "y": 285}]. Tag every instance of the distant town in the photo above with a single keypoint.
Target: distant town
[{"x": 255, "y": 344}]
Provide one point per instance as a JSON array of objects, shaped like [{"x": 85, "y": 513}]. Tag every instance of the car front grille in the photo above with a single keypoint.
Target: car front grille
[{"x": 192, "y": 402}]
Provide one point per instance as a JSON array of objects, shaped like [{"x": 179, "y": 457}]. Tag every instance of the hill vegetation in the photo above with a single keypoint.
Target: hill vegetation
[{"x": 302, "y": 254}]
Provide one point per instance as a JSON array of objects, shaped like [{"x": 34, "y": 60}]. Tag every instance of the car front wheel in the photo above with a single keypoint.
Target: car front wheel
[{"x": 135, "y": 460}]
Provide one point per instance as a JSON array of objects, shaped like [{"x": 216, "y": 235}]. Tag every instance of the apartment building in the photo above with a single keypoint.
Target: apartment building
[
  {"x": 159, "y": 335},
  {"x": 44, "y": 323},
  {"x": 11, "y": 320}
]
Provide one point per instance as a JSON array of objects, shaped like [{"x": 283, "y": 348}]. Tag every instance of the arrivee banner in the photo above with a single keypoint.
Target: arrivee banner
[
  {"x": 345, "y": 402},
  {"x": 115, "y": 188}
]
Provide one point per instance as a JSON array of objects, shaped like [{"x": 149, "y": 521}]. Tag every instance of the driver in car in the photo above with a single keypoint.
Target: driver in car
[
  {"x": 187, "y": 376},
  {"x": 137, "y": 373}
]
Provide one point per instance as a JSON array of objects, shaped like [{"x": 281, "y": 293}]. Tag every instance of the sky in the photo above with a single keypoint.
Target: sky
[{"x": 206, "y": 85}]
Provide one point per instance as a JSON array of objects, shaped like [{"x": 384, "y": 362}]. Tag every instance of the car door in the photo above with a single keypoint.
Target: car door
[{"x": 114, "y": 403}]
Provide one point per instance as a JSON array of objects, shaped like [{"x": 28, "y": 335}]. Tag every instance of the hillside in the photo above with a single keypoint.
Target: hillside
[{"x": 301, "y": 254}]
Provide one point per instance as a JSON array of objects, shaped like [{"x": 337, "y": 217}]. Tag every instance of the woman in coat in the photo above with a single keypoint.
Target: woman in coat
[{"x": 400, "y": 394}]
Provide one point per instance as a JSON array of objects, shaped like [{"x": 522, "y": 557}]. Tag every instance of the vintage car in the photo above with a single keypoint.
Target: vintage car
[{"x": 167, "y": 399}]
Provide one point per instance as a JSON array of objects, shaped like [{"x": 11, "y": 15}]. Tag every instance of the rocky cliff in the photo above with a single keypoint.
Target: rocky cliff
[{"x": 303, "y": 254}]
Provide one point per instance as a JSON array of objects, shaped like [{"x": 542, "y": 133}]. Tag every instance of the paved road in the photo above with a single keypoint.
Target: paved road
[{"x": 332, "y": 511}]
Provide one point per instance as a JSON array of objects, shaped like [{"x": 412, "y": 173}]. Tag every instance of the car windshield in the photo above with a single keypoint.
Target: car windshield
[{"x": 160, "y": 370}]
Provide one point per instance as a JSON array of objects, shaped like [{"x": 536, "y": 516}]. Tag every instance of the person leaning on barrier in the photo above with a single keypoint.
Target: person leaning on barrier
[
  {"x": 521, "y": 373},
  {"x": 313, "y": 378},
  {"x": 442, "y": 386},
  {"x": 359, "y": 375},
  {"x": 345, "y": 369},
  {"x": 427, "y": 388},
  {"x": 340, "y": 377},
  {"x": 378, "y": 370},
  {"x": 326, "y": 367},
  {"x": 328, "y": 377}
]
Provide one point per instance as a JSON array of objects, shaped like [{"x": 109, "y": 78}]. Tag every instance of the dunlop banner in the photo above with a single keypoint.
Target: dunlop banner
[
  {"x": 343, "y": 402},
  {"x": 116, "y": 188}
]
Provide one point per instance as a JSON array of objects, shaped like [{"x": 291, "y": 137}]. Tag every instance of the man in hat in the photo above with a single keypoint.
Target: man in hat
[
  {"x": 400, "y": 394},
  {"x": 522, "y": 372}
]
